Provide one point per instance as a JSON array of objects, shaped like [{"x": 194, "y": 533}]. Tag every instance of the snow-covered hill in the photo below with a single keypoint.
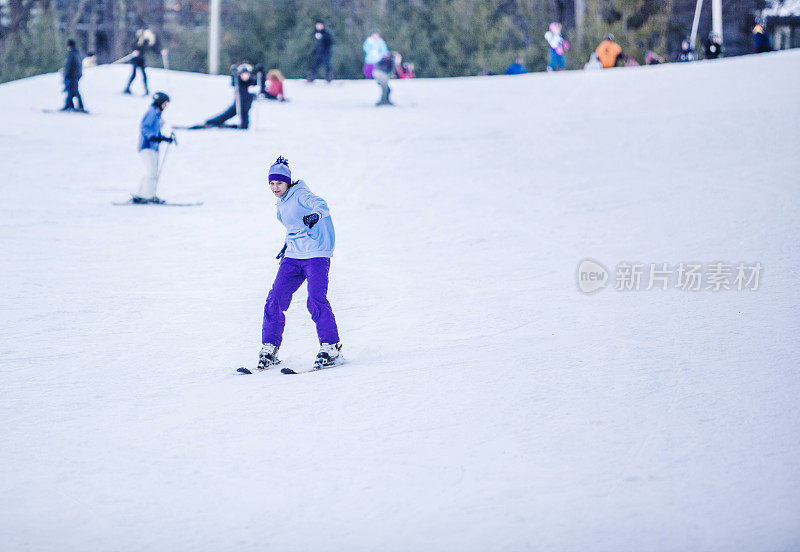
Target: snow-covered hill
[{"x": 488, "y": 404}]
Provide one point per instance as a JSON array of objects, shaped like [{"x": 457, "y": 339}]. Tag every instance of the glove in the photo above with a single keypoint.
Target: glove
[
  {"x": 311, "y": 220},
  {"x": 169, "y": 139}
]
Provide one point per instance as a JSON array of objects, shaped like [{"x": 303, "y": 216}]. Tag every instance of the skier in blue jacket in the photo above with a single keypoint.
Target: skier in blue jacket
[
  {"x": 374, "y": 50},
  {"x": 306, "y": 255},
  {"x": 149, "y": 139}
]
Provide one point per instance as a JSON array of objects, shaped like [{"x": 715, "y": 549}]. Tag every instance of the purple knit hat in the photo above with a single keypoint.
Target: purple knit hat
[{"x": 280, "y": 171}]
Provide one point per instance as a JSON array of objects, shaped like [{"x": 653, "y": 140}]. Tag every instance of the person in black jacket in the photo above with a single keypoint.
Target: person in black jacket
[
  {"x": 73, "y": 70},
  {"x": 687, "y": 52},
  {"x": 321, "y": 56},
  {"x": 761, "y": 41},
  {"x": 145, "y": 40},
  {"x": 241, "y": 78},
  {"x": 713, "y": 47}
]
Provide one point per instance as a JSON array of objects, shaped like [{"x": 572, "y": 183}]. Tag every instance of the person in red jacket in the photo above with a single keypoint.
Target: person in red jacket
[
  {"x": 405, "y": 70},
  {"x": 274, "y": 89}
]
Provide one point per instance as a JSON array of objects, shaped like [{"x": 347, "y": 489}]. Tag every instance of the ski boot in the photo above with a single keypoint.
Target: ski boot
[
  {"x": 156, "y": 200},
  {"x": 138, "y": 200},
  {"x": 328, "y": 355},
  {"x": 268, "y": 356}
]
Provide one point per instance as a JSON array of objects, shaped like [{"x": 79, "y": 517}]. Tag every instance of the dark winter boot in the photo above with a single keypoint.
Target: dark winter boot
[{"x": 385, "y": 97}]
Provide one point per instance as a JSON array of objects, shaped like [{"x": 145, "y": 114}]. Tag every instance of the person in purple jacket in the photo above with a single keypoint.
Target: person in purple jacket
[{"x": 306, "y": 255}]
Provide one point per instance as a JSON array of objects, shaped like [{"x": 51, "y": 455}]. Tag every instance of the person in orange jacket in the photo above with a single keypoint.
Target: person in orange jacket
[{"x": 608, "y": 51}]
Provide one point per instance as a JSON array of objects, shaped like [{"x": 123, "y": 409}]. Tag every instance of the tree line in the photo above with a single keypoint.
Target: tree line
[{"x": 442, "y": 37}]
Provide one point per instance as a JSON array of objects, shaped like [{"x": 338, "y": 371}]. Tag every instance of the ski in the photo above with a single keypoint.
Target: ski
[
  {"x": 165, "y": 204},
  {"x": 77, "y": 111},
  {"x": 203, "y": 127},
  {"x": 243, "y": 370},
  {"x": 315, "y": 368}
]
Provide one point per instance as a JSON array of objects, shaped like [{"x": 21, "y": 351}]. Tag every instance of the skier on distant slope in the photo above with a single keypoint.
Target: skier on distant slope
[
  {"x": 713, "y": 46},
  {"x": 375, "y": 49},
  {"x": 557, "y": 47},
  {"x": 608, "y": 52},
  {"x": 145, "y": 40},
  {"x": 321, "y": 56},
  {"x": 149, "y": 139},
  {"x": 310, "y": 240},
  {"x": 382, "y": 72},
  {"x": 687, "y": 52},
  {"x": 73, "y": 69}
]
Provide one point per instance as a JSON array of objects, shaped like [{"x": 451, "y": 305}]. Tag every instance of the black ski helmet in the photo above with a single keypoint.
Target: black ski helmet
[{"x": 159, "y": 99}]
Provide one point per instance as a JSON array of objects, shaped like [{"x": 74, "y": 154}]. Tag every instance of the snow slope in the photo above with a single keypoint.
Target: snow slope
[{"x": 487, "y": 403}]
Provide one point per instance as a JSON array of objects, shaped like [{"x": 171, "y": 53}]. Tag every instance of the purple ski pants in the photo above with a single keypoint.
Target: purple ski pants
[{"x": 291, "y": 275}]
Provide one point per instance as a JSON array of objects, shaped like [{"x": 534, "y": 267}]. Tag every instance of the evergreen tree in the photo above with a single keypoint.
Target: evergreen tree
[{"x": 37, "y": 48}]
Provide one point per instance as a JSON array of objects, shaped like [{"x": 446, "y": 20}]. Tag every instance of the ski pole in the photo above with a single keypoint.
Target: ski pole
[
  {"x": 123, "y": 59},
  {"x": 255, "y": 113},
  {"x": 163, "y": 160},
  {"x": 165, "y": 61}
]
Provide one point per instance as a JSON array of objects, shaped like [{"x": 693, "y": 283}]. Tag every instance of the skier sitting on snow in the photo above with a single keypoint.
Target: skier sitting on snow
[
  {"x": 273, "y": 89},
  {"x": 149, "y": 139},
  {"x": 608, "y": 52},
  {"x": 310, "y": 240},
  {"x": 241, "y": 79},
  {"x": 517, "y": 68}
]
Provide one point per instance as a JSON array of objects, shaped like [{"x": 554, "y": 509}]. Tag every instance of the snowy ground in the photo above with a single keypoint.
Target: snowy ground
[{"x": 488, "y": 404}]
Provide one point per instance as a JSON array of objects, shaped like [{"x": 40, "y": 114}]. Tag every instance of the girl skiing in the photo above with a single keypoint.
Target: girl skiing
[{"x": 306, "y": 255}]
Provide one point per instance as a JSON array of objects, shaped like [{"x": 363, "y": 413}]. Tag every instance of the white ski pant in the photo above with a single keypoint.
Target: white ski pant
[{"x": 149, "y": 182}]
